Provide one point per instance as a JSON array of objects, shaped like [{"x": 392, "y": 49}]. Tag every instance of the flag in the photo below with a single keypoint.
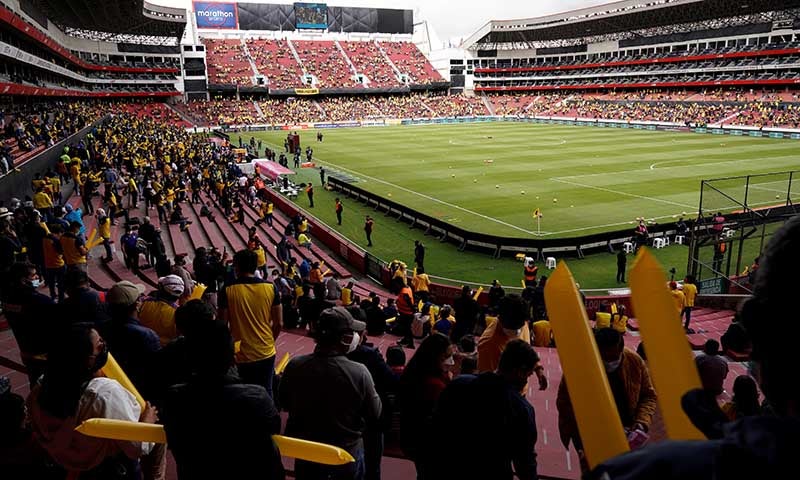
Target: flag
[{"x": 537, "y": 213}]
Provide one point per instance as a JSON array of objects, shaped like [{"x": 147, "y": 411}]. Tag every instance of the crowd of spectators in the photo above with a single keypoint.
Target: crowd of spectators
[
  {"x": 758, "y": 108},
  {"x": 409, "y": 60},
  {"x": 464, "y": 380},
  {"x": 227, "y": 62},
  {"x": 275, "y": 60},
  {"x": 26, "y": 127},
  {"x": 369, "y": 60},
  {"x": 324, "y": 60},
  {"x": 221, "y": 111}
]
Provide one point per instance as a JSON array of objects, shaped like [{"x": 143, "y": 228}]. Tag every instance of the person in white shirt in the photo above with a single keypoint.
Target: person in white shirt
[{"x": 72, "y": 390}]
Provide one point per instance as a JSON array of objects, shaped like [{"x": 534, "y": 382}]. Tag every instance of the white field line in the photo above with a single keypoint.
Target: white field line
[
  {"x": 759, "y": 187},
  {"x": 689, "y": 214},
  {"x": 617, "y": 192},
  {"x": 692, "y": 211},
  {"x": 427, "y": 197}
]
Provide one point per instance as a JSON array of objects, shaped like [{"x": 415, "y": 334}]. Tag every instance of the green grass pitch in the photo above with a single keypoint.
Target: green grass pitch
[{"x": 474, "y": 176}]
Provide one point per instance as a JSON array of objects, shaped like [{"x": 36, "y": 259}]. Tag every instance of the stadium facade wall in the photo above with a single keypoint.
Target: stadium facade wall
[{"x": 280, "y": 17}]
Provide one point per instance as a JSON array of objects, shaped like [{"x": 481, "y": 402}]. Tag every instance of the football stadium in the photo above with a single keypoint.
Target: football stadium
[{"x": 321, "y": 241}]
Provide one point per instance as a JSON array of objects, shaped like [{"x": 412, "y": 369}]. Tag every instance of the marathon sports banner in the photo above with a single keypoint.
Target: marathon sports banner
[
  {"x": 216, "y": 15},
  {"x": 306, "y": 91}
]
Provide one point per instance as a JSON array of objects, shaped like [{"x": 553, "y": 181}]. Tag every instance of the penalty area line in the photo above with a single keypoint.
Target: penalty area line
[{"x": 427, "y": 197}]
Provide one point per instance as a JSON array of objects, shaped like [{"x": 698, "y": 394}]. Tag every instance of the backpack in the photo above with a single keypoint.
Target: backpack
[{"x": 142, "y": 245}]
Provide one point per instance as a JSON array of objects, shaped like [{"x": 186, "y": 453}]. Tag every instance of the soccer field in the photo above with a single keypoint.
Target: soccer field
[{"x": 584, "y": 179}]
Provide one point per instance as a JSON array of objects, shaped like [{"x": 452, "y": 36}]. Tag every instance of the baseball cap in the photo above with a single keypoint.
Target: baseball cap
[
  {"x": 338, "y": 319},
  {"x": 4, "y": 212},
  {"x": 171, "y": 284},
  {"x": 124, "y": 293}
]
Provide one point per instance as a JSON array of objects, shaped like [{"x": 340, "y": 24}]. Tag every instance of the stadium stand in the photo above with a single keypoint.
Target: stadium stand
[
  {"x": 275, "y": 60},
  {"x": 370, "y": 61},
  {"x": 407, "y": 58},
  {"x": 326, "y": 62},
  {"x": 227, "y": 62}
]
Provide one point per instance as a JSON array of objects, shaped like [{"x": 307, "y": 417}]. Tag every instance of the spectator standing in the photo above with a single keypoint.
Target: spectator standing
[
  {"x": 496, "y": 293},
  {"x": 689, "y": 294},
  {"x": 31, "y": 316},
  {"x": 157, "y": 311},
  {"x": 104, "y": 232},
  {"x": 252, "y": 308},
  {"x": 506, "y": 419},
  {"x": 368, "y": 226},
  {"x": 133, "y": 344},
  {"x": 405, "y": 311},
  {"x": 83, "y": 302},
  {"x": 678, "y": 297},
  {"x": 386, "y": 383},
  {"x": 466, "y": 312},
  {"x": 420, "y": 283},
  {"x": 622, "y": 262},
  {"x": 245, "y": 416},
  {"x": 310, "y": 194},
  {"x": 630, "y": 384},
  {"x": 423, "y": 381},
  {"x": 74, "y": 247},
  {"x": 130, "y": 248},
  {"x": 343, "y": 418},
  {"x": 55, "y": 269},
  {"x": 419, "y": 254},
  {"x": 339, "y": 208}
]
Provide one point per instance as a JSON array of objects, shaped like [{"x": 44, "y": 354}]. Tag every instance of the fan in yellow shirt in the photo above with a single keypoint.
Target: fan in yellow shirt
[{"x": 690, "y": 294}]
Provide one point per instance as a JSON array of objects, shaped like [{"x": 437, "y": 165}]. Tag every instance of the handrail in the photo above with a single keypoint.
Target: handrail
[{"x": 720, "y": 274}]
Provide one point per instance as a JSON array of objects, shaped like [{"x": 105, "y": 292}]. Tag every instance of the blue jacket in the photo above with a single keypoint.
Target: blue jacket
[{"x": 76, "y": 216}]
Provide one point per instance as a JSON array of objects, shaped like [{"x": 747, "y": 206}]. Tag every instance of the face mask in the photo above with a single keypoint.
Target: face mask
[
  {"x": 35, "y": 283},
  {"x": 612, "y": 366},
  {"x": 100, "y": 360},
  {"x": 449, "y": 361},
  {"x": 353, "y": 342},
  {"x": 512, "y": 332}
]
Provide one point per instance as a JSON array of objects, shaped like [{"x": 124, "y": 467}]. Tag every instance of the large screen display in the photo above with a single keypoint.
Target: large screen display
[
  {"x": 311, "y": 15},
  {"x": 216, "y": 15}
]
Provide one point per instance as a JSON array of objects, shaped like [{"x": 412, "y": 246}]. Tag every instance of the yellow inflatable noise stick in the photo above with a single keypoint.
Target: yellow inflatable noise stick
[
  {"x": 147, "y": 432},
  {"x": 197, "y": 293},
  {"x": 477, "y": 293},
  {"x": 112, "y": 370},
  {"x": 281, "y": 365},
  {"x": 595, "y": 411},
  {"x": 669, "y": 356}
]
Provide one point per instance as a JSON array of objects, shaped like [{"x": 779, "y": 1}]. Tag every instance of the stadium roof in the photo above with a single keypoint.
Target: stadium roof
[
  {"x": 621, "y": 16},
  {"x": 131, "y": 17}
]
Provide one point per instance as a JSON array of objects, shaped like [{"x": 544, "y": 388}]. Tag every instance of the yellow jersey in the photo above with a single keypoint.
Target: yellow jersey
[
  {"x": 53, "y": 253},
  {"x": 420, "y": 282},
  {"x": 72, "y": 247},
  {"x": 42, "y": 200},
  {"x": 248, "y": 302},
  {"x": 159, "y": 316},
  {"x": 104, "y": 227},
  {"x": 690, "y": 293}
]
